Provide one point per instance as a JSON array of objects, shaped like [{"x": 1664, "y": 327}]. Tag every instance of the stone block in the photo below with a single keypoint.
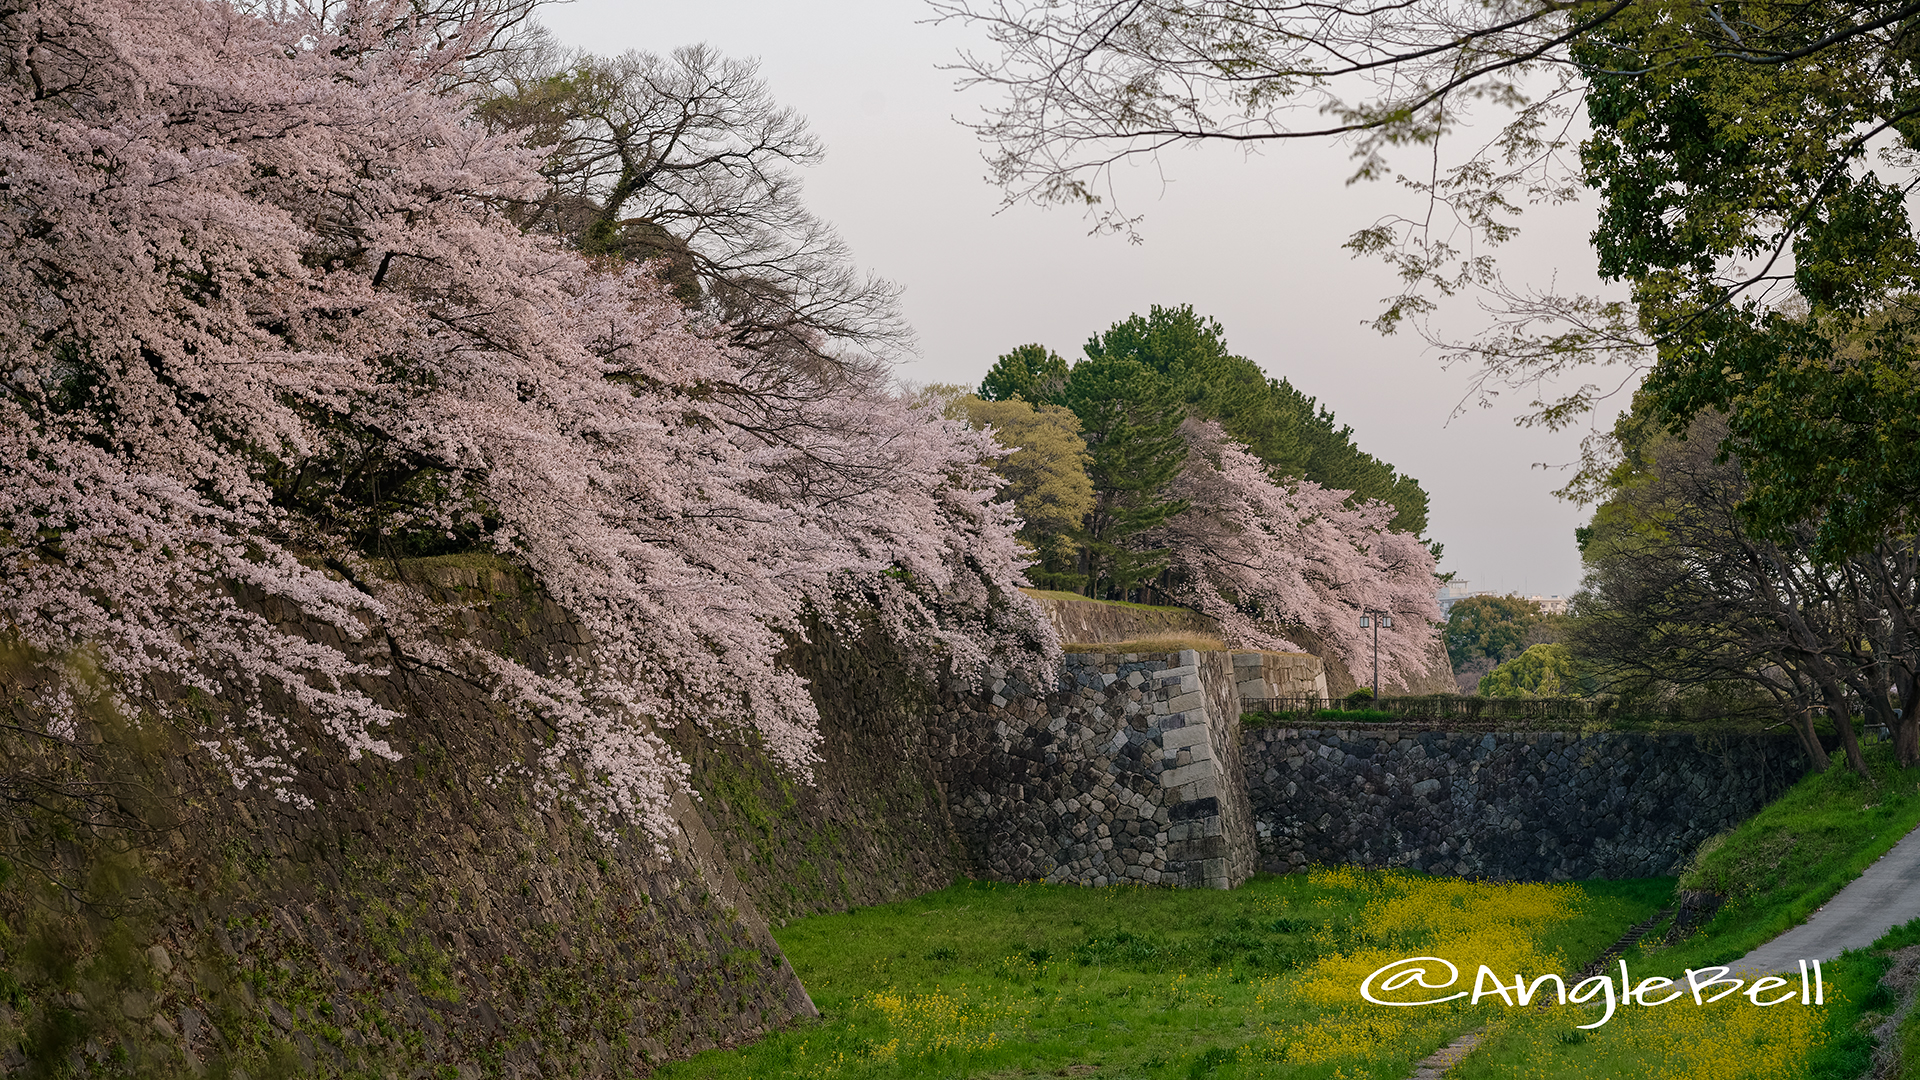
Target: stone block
[
  {"x": 1185, "y": 774},
  {"x": 1207, "y": 787},
  {"x": 1187, "y": 735},
  {"x": 1188, "y": 702}
]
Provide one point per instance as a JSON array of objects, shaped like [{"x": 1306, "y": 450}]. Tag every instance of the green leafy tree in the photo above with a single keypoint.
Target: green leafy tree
[
  {"x": 1284, "y": 428},
  {"x": 1492, "y": 628},
  {"x": 1189, "y": 351},
  {"x": 1683, "y": 599},
  {"x": 1131, "y": 419},
  {"x": 1334, "y": 460},
  {"x": 1140, "y": 378},
  {"x": 1541, "y": 671},
  {"x": 1030, "y": 373},
  {"x": 1047, "y": 481},
  {"x": 1773, "y": 263}
]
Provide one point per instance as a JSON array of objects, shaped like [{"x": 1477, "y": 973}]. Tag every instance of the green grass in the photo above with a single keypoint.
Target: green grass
[
  {"x": 1663, "y": 1042},
  {"x": 1115, "y": 982},
  {"x": 1056, "y": 594},
  {"x": 1002, "y": 981},
  {"x": 1775, "y": 868},
  {"x": 1780, "y": 865}
]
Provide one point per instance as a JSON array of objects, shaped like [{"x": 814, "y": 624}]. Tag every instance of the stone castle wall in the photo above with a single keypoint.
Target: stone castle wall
[
  {"x": 433, "y": 916},
  {"x": 1263, "y": 675},
  {"x": 1543, "y": 806},
  {"x": 429, "y": 916},
  {"x": 1136, "y": 768},
  {"x": 1129, "y": 770}
]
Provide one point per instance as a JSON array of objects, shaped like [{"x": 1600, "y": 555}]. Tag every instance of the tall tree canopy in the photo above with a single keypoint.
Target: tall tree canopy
[
  {"x": 1492, "y": 628},
  {"x": 1131, "y": 421},
  {"x": 1771, "y": 256},
  {"x": 1046, "y": 474},
  {"x": 1194, "y": 461},
  {"x": 1030, "y": 373},
  {"x": 1682, "y": 594}
]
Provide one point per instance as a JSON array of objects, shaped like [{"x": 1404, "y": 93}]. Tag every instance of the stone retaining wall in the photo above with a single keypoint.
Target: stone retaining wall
[
  {"x": 1514, "y": 806},
  {"x": 1265, "y": 675},
  {"x": 1129, "y": 770}
]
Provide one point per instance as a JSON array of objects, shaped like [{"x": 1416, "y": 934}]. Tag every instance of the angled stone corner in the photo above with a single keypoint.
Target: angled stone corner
[{"x": 1129, "y": 770}]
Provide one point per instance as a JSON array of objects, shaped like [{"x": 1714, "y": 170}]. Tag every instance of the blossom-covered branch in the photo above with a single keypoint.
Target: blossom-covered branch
[
  {"x": 1267, "y": 559},
  {"x": 271, "y": 330}
]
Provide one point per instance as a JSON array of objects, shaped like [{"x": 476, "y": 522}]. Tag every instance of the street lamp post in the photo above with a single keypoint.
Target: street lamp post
[{"x": 1375, "y": 620}]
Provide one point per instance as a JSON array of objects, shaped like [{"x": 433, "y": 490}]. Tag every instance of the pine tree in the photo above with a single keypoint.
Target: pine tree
[
  {"x": 1131, "y": 420},
  {"x": 1034, "y": 374}
]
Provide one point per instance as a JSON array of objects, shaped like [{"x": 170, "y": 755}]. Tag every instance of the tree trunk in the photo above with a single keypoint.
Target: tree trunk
[
  {"x": 1906, "y": 726},
  {"x": 1843, "y": 723},
  {"x": 1879, "y": 710},
  {"x": 1810, "y": 740},
  {"x": 1906, "y": 741}
]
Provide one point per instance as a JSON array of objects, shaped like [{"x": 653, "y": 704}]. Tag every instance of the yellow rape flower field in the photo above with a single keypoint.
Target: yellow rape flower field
[{"x": 1003, "y": 981}]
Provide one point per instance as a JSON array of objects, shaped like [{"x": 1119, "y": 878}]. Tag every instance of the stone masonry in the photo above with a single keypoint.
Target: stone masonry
[
  {"x": 1263, "y": 675},
  {"x": 1539, "y": 806},
  {"x": 1129, "y": 770},
  {"x": 1135, "y": 767}
]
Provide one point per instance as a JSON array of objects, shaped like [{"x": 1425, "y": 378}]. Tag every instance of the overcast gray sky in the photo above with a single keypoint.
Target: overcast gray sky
[{"x": 1252, "y": 241}]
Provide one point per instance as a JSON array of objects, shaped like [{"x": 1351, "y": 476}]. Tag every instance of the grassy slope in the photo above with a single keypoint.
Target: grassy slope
[
  {"x": 1057, "y": 594},
  {"x": 1163, "y": 643},
  {"x": 1146, "y": 983},
  {"x": 1786, "y": 861},
  {"x": 1776, "y": 868}
]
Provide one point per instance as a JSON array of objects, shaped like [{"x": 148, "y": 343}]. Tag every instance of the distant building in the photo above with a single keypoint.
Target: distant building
[
  {"x": 1453, "y": 590},
  {"x": 1456, "y": 590}
]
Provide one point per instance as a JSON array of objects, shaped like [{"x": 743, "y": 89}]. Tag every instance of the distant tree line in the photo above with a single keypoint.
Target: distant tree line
[{"x": 1489, "y": 634}]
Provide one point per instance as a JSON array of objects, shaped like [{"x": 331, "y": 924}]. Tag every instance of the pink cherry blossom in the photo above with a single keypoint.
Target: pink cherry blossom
[
  {"x": 1265, "y": 556},
  {"x": 248, "y": 255}
]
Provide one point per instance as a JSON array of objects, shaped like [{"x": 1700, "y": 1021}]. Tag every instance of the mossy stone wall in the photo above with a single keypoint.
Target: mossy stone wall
[{"x": 428, "y": 917}]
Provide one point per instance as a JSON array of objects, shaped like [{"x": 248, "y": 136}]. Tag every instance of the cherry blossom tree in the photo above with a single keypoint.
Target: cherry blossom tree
[
  {"x": 1267, "y": 558},
  {"x": 270, "y": 329}
]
